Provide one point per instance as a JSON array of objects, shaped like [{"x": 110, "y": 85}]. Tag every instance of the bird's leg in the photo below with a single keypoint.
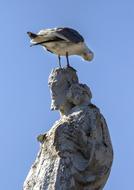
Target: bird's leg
[
  {"x": 59, "y": 60},
  {"x": 67, "y": 59}
]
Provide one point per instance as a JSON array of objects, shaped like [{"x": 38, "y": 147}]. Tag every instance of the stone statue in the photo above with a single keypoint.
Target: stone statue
[{"x": 76, "y": 153}]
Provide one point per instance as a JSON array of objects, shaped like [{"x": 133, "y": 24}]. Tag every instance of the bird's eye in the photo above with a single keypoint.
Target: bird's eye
[{"x": 84, "y": 54}]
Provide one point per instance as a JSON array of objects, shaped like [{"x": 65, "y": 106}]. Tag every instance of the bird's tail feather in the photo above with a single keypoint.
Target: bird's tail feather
[
  {"x": 38, "y": 43},
  {"x": 36, "y": 39}
]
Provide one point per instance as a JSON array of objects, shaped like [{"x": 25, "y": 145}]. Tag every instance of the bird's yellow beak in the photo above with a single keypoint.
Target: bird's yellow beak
[{"x": 88, "y": 56}]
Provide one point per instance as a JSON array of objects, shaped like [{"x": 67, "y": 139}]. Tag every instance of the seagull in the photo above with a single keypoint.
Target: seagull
[{"x": 62, "y": 41}]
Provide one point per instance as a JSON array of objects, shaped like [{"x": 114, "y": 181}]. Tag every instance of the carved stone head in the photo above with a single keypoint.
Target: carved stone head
[{"x": 66, "y": 92}]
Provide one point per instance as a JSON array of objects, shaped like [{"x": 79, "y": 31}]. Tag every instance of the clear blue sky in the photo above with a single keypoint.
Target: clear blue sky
[{"x": 108, "y": 27}]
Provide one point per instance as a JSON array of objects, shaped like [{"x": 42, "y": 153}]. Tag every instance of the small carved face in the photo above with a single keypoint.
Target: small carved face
[{"x": 79, "y": 94}]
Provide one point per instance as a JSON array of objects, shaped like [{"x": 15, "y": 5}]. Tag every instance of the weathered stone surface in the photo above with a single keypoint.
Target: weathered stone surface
[{"x": 76, "y": 153}]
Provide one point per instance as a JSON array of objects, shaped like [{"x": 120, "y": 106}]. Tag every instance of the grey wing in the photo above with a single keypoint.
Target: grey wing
[
  {"x": 69, "y": 34},
  {"x": 58, "y": 34}
]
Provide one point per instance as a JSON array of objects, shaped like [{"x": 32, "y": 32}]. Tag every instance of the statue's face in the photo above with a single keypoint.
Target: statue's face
[
  {"x": 58, "y": 94},
  {"x": 58, "y": 87},
  {"x": 60, "y": 81}
]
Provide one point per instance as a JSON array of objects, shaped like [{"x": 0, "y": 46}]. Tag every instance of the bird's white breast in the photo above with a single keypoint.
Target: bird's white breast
[{"x": 60, "y": 48}]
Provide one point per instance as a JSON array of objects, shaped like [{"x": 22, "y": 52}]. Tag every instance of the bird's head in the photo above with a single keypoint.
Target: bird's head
[{"x": 88, "y": 55}]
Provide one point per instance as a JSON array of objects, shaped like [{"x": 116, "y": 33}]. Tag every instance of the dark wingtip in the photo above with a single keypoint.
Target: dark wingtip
[
  {"x": 29, "y": 33},
  {"x": 32, "y": 35}
]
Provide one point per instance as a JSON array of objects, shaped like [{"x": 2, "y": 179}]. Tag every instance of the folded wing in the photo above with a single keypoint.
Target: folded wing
[{"x": 57, "y": 34}]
